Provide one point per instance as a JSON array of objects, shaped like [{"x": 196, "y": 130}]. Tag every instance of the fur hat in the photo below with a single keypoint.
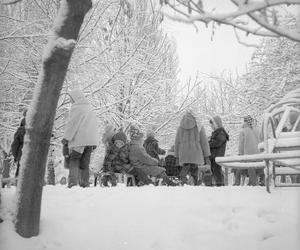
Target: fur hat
[
  {"x": 120, "y": 136},
  {"x": 135, "y": 133}
]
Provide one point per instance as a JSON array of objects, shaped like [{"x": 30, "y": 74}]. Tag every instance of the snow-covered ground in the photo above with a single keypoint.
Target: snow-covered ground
[{"x": 160, "y": 218}]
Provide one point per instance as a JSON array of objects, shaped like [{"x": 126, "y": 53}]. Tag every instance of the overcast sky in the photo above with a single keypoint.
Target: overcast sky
[{"x": 197, "y": 52}]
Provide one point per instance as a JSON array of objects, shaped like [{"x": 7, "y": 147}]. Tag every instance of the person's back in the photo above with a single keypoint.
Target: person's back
[
  {"x": 80, "y": 139},
  {"x": 151, "y": 146},
  {"x": 249, "y": 141},
  {"x": 141, "y": 160}
]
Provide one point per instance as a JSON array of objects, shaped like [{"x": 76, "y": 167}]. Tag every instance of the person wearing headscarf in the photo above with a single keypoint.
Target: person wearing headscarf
[
  {"x": 248, "y": 144},
  {"x": 191, "y": 147},
  {"x": 80, "y": 138},
  {"x": 217, "y": 144},
  {"x": 151, "y": 145}
]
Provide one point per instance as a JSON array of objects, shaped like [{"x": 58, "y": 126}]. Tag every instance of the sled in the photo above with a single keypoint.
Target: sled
[
  {"x": 280, "y": 151},
  {"x": 121, "y": 178}
]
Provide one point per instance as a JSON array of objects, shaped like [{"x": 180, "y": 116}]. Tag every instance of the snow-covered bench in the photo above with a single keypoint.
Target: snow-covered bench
[{"x": 283, "y": 149}]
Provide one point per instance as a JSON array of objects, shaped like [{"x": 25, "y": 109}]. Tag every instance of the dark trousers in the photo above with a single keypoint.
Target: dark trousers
[
  {"x": 217, "y": 173},
  {"x": 189, "y": 168},
  {"x": 18, "y": 168},
  {"x": 79, "y": 172}
]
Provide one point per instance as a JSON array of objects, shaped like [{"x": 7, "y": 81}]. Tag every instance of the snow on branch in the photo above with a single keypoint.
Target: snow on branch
[
  {"x": 10, "y": 2},
  {"x": 265, "y": 17},
  {"x": 59, "y": 45}
]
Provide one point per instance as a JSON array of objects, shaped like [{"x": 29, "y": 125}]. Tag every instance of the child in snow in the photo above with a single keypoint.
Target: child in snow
[
  {"x": 191, "y": 147},
  {"x": 80, "y": 139},
  {"x": 151, "y": 146},
  {"x": 172, "y": 169},
  {"x": 117, "y": 161},
  {"x": 141, "y": 160},
  {"x": 217, "y": 144}
]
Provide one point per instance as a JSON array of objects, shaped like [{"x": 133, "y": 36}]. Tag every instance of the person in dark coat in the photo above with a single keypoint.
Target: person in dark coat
[
  {"x": 17, "y": 145},
  {"x": 217, "y": 144},
  {"x": 151, "y": 146}
]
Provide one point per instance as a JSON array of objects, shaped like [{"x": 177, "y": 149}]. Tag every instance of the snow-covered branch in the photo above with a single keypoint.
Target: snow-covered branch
[{"x": 266, "y": 19}]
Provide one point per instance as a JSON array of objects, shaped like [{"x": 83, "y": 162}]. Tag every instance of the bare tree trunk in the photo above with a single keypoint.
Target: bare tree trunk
[{"x": 41, "y": 114}]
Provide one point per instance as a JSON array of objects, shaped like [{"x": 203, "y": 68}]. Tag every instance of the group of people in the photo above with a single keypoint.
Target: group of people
[{"x": 142, "y": 157}]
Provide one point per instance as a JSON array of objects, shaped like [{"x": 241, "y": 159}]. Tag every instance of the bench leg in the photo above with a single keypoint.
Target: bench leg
[{"x": 268, "y": 176}]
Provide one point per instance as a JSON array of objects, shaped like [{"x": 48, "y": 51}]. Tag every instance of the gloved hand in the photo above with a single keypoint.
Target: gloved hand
[{"x": 207, "y": 160}]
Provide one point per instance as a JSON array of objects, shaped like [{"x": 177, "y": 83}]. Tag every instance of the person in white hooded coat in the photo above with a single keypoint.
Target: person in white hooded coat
[{"x": 80, "y": 139}]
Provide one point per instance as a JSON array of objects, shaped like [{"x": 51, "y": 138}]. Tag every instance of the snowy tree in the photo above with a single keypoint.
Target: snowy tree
[
  {"x": 260, "y": 18},
  {"x": 274, "y": 70},
  {"x": 41, "y": 114}
]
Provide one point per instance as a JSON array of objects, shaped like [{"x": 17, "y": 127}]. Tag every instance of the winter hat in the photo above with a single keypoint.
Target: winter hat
[
  {"x": 135, "y": 133},
  {"x": 150, "y": 133},
  {"x": 249, "y": 120},
  {"x": 217, "y": 121},
  {"x": 120, "y": 136},
  {"x": 188, "y": 120}
]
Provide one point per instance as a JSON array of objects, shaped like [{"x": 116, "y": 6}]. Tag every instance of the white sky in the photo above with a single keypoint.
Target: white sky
[{"x": 197, "y": 52}]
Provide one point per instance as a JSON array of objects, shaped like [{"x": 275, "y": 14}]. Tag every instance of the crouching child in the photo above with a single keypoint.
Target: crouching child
[
  {"x": 140, "y": 160},
  {"x": 117, "y": 161}
]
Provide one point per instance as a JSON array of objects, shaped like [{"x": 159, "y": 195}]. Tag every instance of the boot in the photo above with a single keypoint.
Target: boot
[{"x": 167, "y": 180}]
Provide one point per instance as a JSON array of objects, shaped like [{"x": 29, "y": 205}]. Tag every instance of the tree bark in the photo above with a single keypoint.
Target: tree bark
[{"x": 41, "y": 114}]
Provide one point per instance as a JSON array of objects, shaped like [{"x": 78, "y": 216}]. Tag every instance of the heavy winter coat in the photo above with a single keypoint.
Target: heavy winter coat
[
  {"x": 191, "y": 145},
  {"x": 218, "y": 140},
  {"x": 116, "y": 159},
  {"x": 82, "y": 126},
  {"x": 17, "y": 144},
  {"x": 248, "y": 141},
  {"x": 152, "y": 148},
  {"x": 139, "y": 157}
]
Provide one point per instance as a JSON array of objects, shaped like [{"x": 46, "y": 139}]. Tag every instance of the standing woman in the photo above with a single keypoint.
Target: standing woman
[
  {"x": 191, "y": 147},
  {"x": 217, "y": 144},
  {"x": 248, "y": 145},
  {"x": 81, "y": 137}
]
